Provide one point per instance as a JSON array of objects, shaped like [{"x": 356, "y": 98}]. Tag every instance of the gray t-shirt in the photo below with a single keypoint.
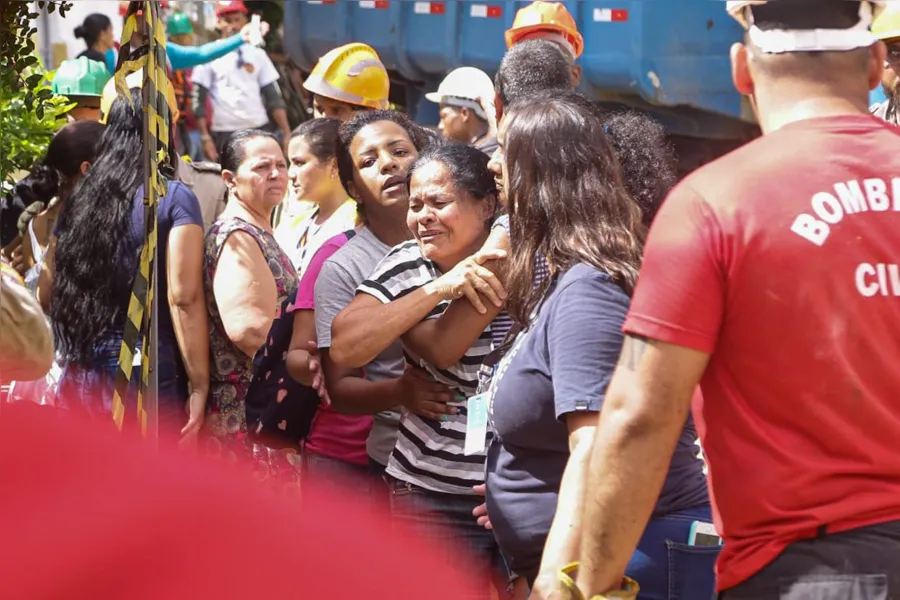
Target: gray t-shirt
[
  {"x": 561, "y": 364},
  {"x": 335, "y": 288}
]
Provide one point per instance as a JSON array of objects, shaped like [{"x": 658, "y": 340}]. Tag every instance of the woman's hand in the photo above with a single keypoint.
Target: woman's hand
[
  {"x": 547, "y": 587},
  {"x": 490, "y": 110},
  {"x": 210, "y": 151},
  {"x": 480, "y": 511},
  {"x": 196, "y": 410},
  {"x": 17, "y": 258},
  {"x": 470, "y": 278},
  {"x": 423, "y": 396},
  {"x": 314, "y": 364}
]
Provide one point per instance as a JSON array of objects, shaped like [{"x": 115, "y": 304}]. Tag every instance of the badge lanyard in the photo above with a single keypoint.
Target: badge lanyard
[{"x": 480, "y": 408}]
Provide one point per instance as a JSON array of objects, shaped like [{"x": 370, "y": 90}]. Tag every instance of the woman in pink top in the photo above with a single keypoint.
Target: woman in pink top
[{"x": 335, "y": 447}]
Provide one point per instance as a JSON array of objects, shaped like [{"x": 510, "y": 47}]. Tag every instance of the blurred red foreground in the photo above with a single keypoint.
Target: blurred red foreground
[{"x": 85, "y": 512}]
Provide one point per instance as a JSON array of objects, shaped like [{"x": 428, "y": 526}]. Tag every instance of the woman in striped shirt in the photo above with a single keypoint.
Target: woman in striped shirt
[{"x": 431, "y": 471}]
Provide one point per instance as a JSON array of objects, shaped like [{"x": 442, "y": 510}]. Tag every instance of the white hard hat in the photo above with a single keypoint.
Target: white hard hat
[
  {"x": 813, "y": 40},
  {"x": 463, "y": 87}
]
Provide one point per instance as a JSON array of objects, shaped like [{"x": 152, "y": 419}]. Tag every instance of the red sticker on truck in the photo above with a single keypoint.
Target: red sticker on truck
[
  {"x": 430, "y": 8},
  {"x": 489, "y": 11},
  {"x": 610, "y": 15}
]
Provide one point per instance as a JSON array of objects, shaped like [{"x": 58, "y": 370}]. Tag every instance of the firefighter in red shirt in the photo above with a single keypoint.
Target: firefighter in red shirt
[{"x": 771, "y": 279}]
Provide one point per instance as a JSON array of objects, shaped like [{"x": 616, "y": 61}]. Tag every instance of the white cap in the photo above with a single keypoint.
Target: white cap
[
  {"x": 463, "y": 87},
  {"x": 812, "y": 40}
]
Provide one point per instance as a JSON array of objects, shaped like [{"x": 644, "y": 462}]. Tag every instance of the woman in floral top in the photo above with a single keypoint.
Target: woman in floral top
[{"x": 256, "y": 279}]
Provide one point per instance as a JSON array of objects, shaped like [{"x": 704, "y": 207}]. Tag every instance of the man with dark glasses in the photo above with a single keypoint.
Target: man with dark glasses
[{"x": 887, "y": 29}]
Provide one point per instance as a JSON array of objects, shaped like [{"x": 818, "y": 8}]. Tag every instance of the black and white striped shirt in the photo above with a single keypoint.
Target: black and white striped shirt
[{"x": 429, "y": 453}]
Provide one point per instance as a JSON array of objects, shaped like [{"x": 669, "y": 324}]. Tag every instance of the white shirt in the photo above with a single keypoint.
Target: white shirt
[
  {"x": 234, "y": 83},
  {"x": 301, "y": 242}
]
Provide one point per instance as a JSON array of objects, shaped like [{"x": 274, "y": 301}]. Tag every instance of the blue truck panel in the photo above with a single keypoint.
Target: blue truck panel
[{"x": 668, "y": 58}]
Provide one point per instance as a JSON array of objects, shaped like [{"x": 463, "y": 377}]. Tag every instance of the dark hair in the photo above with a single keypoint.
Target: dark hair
[
  {"x": 94, "y": 24},
  {"x": 72, "y": 145},
  {"x": 321, "y": 137},
  {"x": 93, "y": 280},
  {"x": 647, "y": 158},
  {"x": 432, "y": 136},
  {"x": 349, "y": 130},
  {"x": 530, "y": 68},
  {"x": 233, "y": 153},
  {"x": 806, "y": 14},
  {"x": 567, "y": 201},
  {"x": 467, "y": 165}
]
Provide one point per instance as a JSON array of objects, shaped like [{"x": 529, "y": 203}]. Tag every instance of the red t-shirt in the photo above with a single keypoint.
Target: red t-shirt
[
  {"x": 332, "y": 434},
  {"x": 780, "y": 260}
]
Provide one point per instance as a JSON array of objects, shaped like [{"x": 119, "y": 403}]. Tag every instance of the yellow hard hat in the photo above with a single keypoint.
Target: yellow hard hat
[
  {"x": 887, "y": 24},
  {"x": 135, "y": 80},
  {"x": 353, "y": 74},
  {"x": 545, "y": 17}
]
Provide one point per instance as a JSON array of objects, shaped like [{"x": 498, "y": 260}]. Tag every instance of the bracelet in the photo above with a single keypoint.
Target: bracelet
[{"x": 206, "y": 137}]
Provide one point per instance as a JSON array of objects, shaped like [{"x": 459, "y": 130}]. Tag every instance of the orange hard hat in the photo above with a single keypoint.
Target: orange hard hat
[{"x": 551, "y": 17}]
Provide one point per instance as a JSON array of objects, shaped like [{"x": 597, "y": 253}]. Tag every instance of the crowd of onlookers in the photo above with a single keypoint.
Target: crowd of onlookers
[{"x": 474, "y": 329}]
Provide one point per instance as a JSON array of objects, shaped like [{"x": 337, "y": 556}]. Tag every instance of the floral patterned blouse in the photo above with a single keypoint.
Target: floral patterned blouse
[{"x": 231, "y": 370}]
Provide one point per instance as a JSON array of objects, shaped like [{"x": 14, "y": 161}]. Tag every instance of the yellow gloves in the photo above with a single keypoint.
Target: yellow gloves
[{"x": 629, "y": 589}]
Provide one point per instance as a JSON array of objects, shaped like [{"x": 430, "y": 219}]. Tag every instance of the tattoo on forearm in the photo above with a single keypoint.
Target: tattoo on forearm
[{"x": 632, "y": 351}]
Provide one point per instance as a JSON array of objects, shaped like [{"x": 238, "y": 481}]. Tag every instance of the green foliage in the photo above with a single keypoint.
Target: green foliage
[{"x": 29, "y": 112}]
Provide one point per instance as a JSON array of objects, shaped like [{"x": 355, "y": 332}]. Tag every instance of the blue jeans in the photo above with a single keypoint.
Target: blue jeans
[
  {"x": 88, "y": 389},
  {"x": 447, "y": 521},
  {"x": 337, "y": 476},
  {"x": 666, "y": 567},
  {"x": 172, "y": 381}
]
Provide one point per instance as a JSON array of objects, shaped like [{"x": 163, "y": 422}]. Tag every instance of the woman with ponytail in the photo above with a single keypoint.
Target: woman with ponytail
[
  {"x": 97, "y": 33},
  {"x": 100, "y": 236},
  {"x": 51, "y": 182}
]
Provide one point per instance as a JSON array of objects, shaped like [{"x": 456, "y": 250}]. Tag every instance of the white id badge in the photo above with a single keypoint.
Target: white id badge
[{"x": 476, "y": 424}]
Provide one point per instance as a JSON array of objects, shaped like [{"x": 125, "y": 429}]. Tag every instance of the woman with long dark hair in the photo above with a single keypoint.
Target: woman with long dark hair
[
  {"x": 99, "y": 239},
  {"x": 569, "y": 206}
]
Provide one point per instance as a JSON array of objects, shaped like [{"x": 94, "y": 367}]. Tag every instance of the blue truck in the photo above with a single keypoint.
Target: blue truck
[{"x": 666, "y": 57}]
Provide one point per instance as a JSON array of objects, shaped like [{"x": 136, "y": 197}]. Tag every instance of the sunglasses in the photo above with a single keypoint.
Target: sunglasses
[{"x": 893, "y": 53}]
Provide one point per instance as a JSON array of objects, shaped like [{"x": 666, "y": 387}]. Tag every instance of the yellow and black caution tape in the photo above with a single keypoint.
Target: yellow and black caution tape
[{"x": 156, "y": 148}]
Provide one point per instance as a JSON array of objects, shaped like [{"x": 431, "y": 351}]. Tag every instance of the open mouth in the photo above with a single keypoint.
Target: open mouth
[
  {"x": 428, "y": 235},
  {"x": 393, "y": 183}
]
